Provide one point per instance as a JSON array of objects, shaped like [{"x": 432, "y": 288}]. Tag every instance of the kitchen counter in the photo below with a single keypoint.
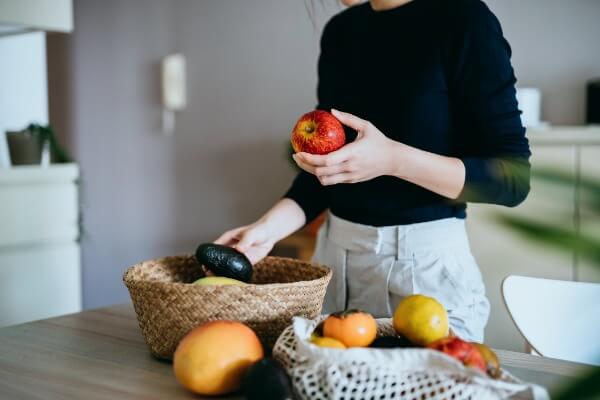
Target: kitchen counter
[{"x": 100, "y": 354}]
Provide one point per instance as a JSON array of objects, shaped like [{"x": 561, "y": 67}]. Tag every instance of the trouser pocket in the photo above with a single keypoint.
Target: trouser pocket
[
  {"x": 359, "y": 279},
  {"x": 368, "y": 279},
  {"x": 454, "y": 280}
]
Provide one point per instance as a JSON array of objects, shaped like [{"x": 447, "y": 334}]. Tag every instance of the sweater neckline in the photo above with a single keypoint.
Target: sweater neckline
[{"x": 392, "y": 11}]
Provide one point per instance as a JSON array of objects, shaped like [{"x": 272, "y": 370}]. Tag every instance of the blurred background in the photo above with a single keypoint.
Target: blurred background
[{"x": 149, "y": 178}]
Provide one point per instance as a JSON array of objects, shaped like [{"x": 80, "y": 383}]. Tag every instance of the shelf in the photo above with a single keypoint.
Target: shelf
[
  {"x": 564, "y": 135},
  {"x": 29, "y": 174}
]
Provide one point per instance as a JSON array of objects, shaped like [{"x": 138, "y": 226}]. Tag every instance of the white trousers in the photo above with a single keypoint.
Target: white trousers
[{"x": 375, "y": 267}]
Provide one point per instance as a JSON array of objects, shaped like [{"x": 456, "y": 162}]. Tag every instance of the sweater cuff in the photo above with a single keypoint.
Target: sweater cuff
[
  {"x": 503, "y": 181},
  {"x": 481, "y": 181}
]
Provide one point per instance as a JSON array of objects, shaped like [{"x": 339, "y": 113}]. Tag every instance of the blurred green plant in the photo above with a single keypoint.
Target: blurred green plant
[
  {"x": 46, "y": 133},
  {"x": 586, "y": 386},
  {"x": 557, "y": 236}
]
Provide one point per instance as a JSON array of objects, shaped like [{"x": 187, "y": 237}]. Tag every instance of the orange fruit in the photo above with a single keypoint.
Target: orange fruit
[
  {"x": 421, "y": 319},
  {"x": 354, "y": 328},
  {"x": 327, "y": 342},
  {"x": 213, "y": 358}
]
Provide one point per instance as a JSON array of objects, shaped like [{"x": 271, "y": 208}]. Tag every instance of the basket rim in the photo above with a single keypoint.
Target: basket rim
[{"x": 261, "y": 286}]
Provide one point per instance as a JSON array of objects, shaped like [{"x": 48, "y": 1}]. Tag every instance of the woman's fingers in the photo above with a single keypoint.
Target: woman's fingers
[
  {"x": 252, "y": 240},
  {"x": 229, "y": 236},
  {"x": 350, "y": 120},
  {"x": 326, "y": 160},
  {"x": 329, "y": 174},
  {"x": 344, "y": 177},
  {"x": 332, "y": 170},
  {"x": 249, "y": 238},
  {"x": 207, "y": 272},
  {"x": 303, "y": 164}
]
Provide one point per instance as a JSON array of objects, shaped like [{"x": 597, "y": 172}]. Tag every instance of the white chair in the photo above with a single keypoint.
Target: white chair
[{"x": 559, "y": 319}]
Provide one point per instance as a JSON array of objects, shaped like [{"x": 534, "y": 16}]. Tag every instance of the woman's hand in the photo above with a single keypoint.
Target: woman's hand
[
  {"x": 253, "y": 240},
  {"x": 372, "y": 154},
  {"x": 256, "y": 240}
]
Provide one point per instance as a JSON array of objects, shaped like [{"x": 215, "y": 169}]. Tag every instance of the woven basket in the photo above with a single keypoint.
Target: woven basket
[{"x": 167, "y": 306}]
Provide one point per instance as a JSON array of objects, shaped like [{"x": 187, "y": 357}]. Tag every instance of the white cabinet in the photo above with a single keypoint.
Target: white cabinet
[
  {"x": 501, "y": 252},
  {"x": 25, "y": 15},
  {"x": 40, "y": 261}
]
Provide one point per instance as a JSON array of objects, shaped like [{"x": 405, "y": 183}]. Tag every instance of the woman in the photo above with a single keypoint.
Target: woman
[{"x": 428, "y": 95}]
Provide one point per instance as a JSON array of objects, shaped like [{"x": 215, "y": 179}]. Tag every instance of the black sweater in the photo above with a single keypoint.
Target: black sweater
[{"x": 433, "y": 74}]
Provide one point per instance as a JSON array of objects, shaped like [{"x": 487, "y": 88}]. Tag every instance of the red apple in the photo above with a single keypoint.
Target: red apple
[
  {"x": 318, "y": 132},
  {"x": 465, "y": 352}
]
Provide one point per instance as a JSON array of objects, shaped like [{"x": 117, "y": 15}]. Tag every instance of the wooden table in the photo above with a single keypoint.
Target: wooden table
[{"x": 100, "y": 354}]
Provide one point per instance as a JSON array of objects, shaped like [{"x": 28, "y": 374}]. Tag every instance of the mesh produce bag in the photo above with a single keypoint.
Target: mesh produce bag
[{"x": 377, "y": 374}]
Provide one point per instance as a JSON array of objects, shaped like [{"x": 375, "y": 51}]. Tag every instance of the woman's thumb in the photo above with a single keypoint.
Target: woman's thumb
[{"x": 349, "y": 120}]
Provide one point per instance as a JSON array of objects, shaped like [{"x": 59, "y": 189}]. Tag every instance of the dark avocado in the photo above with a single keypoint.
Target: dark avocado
[
  {"x": 224, "y": 261},
  {"x": 390, "y": 342},
  {"x": 267, "y": 380},
  {"x": 319, "y": 329}
]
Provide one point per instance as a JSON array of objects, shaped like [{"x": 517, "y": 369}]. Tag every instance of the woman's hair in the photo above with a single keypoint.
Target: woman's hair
[{"x": 312, "y": 7}]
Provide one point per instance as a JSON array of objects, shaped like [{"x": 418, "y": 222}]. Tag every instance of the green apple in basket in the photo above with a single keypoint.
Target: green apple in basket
[{"x": 229, "y": 266}]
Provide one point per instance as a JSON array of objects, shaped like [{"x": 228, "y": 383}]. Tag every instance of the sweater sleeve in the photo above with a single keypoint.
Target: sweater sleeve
[
  {"x": 306, "y": 190},
  {"x": 495, "y": 151}
]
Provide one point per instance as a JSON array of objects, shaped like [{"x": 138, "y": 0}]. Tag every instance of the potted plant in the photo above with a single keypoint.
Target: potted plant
[{"x": 26, "y": 146}]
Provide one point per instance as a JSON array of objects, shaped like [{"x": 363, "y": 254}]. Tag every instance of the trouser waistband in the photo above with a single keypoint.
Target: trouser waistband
[{"x": 399, "y": 239}]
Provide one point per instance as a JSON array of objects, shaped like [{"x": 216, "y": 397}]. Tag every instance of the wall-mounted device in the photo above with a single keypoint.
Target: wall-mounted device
[
  {"x": 593, "y": 102},
  {"x": 173, "y": 90}
]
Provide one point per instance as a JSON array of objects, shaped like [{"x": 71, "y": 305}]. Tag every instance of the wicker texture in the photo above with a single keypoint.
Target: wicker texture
[{"x": 168, "y": 307}]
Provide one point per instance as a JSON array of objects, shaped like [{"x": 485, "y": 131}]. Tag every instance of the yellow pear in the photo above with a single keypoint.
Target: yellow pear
[{"x": 217, "y": 280}]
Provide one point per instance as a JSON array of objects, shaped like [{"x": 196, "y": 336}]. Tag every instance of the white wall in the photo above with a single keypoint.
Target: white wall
[
  {"x": 23, "y": 87},
  {"x": 555, "y": 48}
]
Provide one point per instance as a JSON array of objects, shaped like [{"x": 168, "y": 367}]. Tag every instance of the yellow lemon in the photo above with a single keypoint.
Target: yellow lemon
[
  {"x": 421, "y": 319},
  {"x": 327, "y": 342},
  {"x": 218, "y": 280}
]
